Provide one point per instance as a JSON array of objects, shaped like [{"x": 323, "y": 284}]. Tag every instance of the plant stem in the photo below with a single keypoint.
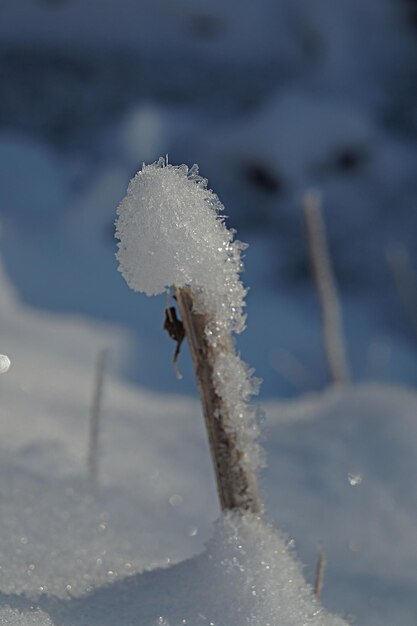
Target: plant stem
[
  {"x": 95, "y": 413},
  {"x": 399, "y": 263},
  {"x": 236, "y": 486},
  {"x": 321, "y": 566},
  {"x": 333, "y": 337}
]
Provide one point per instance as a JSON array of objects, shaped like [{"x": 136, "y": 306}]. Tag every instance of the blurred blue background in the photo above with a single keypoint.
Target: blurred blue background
[{"x": 271, "y": 99}]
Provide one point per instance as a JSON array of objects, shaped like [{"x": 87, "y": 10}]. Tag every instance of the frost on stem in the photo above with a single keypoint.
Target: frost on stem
[{"x": 172, "y": 234}]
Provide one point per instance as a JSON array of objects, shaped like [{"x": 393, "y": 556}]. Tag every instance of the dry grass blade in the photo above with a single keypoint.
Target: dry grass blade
[
  {"x": 95, "y": 415},
  {"x": 399, "y": 263},
  {"x": 237, "y": 487},
  {"x": 333, "y": 337},
  {"x": 320, "y": 569}
]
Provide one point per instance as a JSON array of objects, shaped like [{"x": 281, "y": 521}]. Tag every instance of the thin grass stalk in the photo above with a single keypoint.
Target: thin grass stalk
[
  {"x": 331, "y": 313},
  {"x": 320, "y": 569},
  {"x": 399, "y": 263},
  {"x": 236, "y": 486},
  {"x": 95, "y": 418}
]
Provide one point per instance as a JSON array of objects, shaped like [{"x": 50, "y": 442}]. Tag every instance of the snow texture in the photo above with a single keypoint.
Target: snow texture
[
  {"x": 154, "y": 453},
  {"x": 246, "y": 575},
  {"x": 4, "y": 363},
  {"x": 171, "y": 233},
  {"x": 235, "y": 384},
  {"x": 95, "y": 560},
  {"x": 13, "y": 617},
  {"x": 250, "y": 562},
  {"x": 356, "y": 447}
]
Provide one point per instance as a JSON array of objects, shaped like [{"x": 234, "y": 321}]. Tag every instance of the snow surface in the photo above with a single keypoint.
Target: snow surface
[
  {"x": 356, "y": 446},
  {"x": 246, "y": 575},
  {"x": 80, "y": 554},
  {"x": 13, "y": 617},
  {"x": 47, "y": 504},
  {"x": 154, "y": 467}
]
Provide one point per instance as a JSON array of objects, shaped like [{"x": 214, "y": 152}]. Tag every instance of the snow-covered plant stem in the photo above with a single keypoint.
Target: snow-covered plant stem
[
  {"x": 235, "y": 485},
  {"x": 172, "y": 236}
]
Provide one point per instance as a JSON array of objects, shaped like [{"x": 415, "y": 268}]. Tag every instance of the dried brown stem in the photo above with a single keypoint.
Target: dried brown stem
[
  {"x": 333, "y": 338},
  {"x": 236, "y": 486}
]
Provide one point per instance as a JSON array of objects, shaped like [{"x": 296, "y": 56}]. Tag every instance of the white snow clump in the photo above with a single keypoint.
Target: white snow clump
[
  {"x": 171, "y": 233},
  {"x": 4, "y": 363},
  {"x": 247, "y": 575}
]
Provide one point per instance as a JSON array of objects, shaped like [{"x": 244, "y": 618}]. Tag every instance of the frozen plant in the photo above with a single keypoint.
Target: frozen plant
[{"x": 172, "y": 235}]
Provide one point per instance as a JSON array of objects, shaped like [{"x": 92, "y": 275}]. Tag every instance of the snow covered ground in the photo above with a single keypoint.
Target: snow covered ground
[
  {"x": 65, "y": 538},
  {"x": 340, "y": 474},
  {"x": 271, "y": 99}
]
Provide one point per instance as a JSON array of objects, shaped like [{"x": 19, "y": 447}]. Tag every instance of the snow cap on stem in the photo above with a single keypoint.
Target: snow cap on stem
[{"x": 171, "y": 233}]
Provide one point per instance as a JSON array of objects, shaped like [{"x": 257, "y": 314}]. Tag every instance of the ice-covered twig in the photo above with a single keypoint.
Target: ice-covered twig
[
  {"x": 333, "y": 337},
  {"x": 172, "y": 235}
]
